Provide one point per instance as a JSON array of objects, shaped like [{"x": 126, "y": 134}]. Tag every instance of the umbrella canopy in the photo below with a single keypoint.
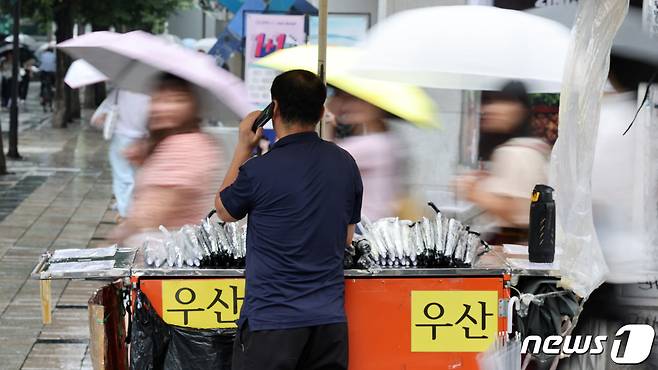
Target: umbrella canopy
[
  {"x": 25, "y": 53},
  {"x": 81, "y": 73},
  {"x": 405, "y": 101},
  {"x": 23, "y": 39},
  {"x": 466, "y": 47},
  {"x": 631, "y": 41},
  {"x": 205, "y": 44},
  {"x": 172, "y": 39},
  {"x": 135, "y": 60}
]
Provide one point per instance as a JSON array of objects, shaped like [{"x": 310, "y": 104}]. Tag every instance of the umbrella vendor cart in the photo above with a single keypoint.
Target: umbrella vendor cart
[
  {"x": 177, "y": 317},
  {"x": 415, "y": 298}
]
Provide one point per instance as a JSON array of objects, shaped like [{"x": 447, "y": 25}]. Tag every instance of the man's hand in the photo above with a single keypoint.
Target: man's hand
[{"x": 247, "y": 139}]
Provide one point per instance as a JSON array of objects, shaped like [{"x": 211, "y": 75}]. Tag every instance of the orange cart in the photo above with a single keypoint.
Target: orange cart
[{"x": 398, "y": 318}]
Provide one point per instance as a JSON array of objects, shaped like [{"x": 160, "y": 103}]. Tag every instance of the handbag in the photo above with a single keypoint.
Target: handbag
[{"x": 111, "y": 118}]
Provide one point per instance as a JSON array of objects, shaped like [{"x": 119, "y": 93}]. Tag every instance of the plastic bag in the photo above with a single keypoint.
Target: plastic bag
[
  {"x": 155, "y": 345},
  {"x": 582, "y": 266}
]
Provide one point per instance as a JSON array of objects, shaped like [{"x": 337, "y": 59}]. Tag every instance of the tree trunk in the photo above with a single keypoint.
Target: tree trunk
[
  {"x": 63, "y": 15},
  {"x": 15, "y": 80},
  {"x": 75, "y": 93},
  {"x": 96, "y": 93}
]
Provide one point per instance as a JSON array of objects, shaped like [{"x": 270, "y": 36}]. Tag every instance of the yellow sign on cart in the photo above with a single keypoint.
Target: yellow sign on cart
[
  {"x": 453, "y": 321},
  {"x": 203, "y": 303}
]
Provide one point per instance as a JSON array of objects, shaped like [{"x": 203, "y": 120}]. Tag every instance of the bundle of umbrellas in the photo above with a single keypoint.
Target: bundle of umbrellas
[
  {"x": 428, "y": 243},
  {"x": 209, "y": 244}
]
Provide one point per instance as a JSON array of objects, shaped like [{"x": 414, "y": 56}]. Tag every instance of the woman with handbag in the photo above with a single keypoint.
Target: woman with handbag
[{"x": 123, "y": 118}]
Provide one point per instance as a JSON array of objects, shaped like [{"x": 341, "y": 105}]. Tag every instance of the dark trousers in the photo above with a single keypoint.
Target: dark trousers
[
  {"x": 24, "y": 86},
  {"x": 322, "y": 347},
  {"x": 6, "y": 91}
]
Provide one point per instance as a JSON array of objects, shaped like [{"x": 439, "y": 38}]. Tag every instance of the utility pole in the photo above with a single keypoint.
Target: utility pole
[
  {"x": 3, "y": 163},
  {"x": 16, "y": 59}
]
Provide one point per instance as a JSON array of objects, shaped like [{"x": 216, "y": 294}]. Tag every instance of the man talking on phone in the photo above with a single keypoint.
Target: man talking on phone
[{"x": 303, "y": 199}]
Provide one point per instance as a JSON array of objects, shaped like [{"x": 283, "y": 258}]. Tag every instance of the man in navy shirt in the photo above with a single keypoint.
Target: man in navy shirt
[{"x": 303, "y": 199}]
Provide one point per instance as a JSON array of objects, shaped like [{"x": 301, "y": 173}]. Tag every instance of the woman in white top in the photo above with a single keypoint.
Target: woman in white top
[
  {"x": 518, "y": 162},
  {"x": 131, "y": 126}
]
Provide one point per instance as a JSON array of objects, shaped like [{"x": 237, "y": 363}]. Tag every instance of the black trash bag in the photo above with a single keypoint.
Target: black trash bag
[
  {"x": 149, "y": 337},
  {"x": 191, "y": 349},
  {"x": 156, "y": 345}
]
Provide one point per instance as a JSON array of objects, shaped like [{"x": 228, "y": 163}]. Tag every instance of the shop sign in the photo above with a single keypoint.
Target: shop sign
[
  {"x": 203, "y": 303},
  {"x": 265, "y": 34},
  {"x": 453, "y": 321}
]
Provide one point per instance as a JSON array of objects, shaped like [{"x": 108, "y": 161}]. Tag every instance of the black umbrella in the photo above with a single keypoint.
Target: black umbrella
[{"x": 25, "y": 53}]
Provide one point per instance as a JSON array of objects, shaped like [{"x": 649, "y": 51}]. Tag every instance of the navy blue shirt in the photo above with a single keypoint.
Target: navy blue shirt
[{"x": 300, "y": 197}]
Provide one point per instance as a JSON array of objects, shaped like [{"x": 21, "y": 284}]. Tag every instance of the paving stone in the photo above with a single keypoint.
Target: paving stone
[
  {"x": 68, "y": 324},
  {"x": 61, "y": 194},
  {"x": 47, "y": 356}
]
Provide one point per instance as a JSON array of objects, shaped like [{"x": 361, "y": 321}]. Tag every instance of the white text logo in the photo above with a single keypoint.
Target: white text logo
[{"x": 638, "y": 339}]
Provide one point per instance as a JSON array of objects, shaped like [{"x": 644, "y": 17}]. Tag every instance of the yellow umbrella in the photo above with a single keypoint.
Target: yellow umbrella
[{"x": 408, "y": 102}]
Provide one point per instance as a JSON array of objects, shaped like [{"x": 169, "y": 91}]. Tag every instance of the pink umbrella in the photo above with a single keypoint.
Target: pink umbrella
[{"x": 135, "y": 60}]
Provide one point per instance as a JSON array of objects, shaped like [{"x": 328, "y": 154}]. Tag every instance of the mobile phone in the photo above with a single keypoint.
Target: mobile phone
[{"x": 263, "y": 117}]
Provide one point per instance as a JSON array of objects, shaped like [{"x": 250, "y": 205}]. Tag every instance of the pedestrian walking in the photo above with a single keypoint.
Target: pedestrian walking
[
  {"x": 5, "y": 87},
  {"x": 48, "y": 66},
  {"x": 178, "y": 164},
  {"x": 129, "y": 113}
]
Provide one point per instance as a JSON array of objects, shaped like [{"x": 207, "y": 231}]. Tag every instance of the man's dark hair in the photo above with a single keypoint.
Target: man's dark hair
[{"x": 300, "y": 96}]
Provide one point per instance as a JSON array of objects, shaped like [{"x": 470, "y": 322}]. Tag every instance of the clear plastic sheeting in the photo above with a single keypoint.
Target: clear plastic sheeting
[
  {"x": 583, "y": 266},
  {"x": 625, "y": 187}
]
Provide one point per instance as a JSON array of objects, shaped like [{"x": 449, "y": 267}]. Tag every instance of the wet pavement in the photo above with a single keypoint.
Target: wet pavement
[{"x": 58, "y": 196}]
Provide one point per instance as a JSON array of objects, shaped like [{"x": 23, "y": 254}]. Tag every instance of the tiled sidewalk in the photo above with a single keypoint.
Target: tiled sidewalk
[{"x": 57, "y": 198}]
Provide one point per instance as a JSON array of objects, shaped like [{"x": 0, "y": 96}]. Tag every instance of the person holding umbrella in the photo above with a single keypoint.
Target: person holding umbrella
[
  {"x": 48, "y": 67},
  {"x": 5, "y": 87},
  {"x": 361, "y": 128},
  {"x": 178, "y": 164},
  {"x": 519, "y": 161}
]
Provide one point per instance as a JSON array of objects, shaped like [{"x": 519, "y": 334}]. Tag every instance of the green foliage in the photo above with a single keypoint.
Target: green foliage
[
  {"x": 551, "y": 100},
  {"x": 5, "y": 24},
  {"x": 148, "y": 15}
]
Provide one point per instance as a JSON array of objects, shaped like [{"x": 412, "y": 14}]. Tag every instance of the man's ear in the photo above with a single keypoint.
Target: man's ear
[{"x": 275, "y": 108}]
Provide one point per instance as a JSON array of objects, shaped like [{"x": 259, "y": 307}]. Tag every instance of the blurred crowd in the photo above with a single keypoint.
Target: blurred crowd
[{"x": 165, "y": 168}]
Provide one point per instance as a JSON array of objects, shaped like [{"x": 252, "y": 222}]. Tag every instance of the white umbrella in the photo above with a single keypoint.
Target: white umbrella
[
  {"x": 134, "y": 61},
  {"x": 23, "y": 39},
  {"x": 43, "y": 47},
  {"x": 81, "y": 73},
  {"x": 172, "y": 39},
  {"x": 466, "y": 47},
  {"x": 205, "y": 44}
]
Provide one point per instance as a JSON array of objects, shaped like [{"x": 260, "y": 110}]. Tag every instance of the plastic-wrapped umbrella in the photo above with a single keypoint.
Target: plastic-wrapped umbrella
[
  {"x": 466, "y": 48},
  {"x": 135, "y": 60},
  {"x": 403, "y": 100}
]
